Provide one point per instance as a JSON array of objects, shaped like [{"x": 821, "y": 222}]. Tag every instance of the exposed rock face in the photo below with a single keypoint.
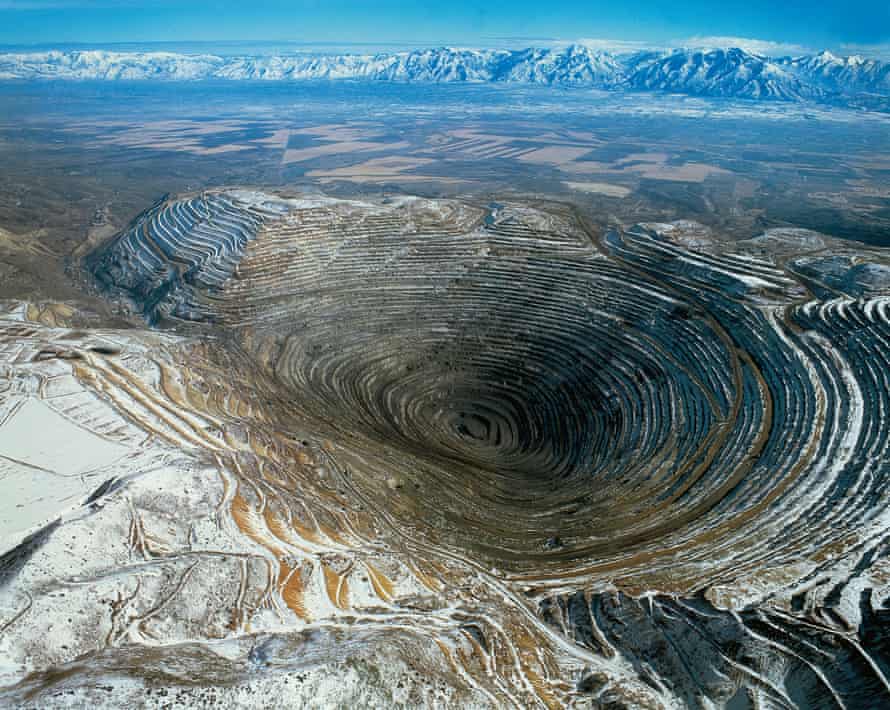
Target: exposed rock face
[
  {"x": 555, "y": 467},
  {"x": 178, "y": 250}
]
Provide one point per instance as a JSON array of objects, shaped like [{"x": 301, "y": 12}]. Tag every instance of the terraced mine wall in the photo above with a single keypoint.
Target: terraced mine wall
[{"x": 668, "y": 457}]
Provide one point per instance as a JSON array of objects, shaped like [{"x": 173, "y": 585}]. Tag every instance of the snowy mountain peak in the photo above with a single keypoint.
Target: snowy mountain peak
[{"x": 730, "y": 72}]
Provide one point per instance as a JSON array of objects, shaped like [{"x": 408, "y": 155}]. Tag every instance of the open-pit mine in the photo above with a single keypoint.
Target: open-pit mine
[{"x": 399, "y": 451}]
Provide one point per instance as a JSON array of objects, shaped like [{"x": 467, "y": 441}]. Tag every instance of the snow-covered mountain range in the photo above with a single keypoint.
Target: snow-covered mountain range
[{"x": 733, "y": 72}]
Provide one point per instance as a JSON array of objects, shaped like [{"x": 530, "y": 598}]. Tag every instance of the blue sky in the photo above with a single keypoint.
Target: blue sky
[{"x": 811, "y": 24}]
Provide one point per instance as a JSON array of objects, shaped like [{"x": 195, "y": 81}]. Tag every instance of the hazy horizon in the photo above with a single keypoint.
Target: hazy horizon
[{"x": 786, "y": 27}]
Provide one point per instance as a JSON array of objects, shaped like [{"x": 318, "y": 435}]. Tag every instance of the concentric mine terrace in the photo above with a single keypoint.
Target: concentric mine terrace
[{"x": 517, "y": 461}]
